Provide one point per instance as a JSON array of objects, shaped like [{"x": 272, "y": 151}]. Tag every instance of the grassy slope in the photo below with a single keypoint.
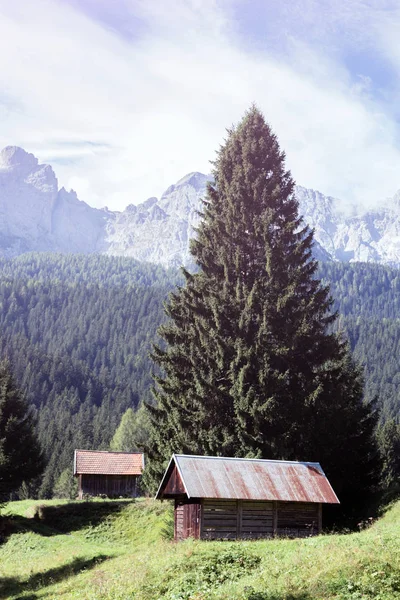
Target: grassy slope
[{"x": 117, "y": 551}]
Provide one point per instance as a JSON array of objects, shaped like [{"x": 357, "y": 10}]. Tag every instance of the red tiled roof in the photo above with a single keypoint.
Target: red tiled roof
[{"x": 90, "y": 462}]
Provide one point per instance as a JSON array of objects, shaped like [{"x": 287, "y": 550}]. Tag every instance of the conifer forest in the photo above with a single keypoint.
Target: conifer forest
[
  {"x": 200, "y": 300},
  {"x": 78, "y": 331},
  {"x": 88, "y": 338}
]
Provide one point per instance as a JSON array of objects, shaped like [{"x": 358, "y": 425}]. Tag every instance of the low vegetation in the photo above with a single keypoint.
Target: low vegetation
[{"x": 123, "y": 550}]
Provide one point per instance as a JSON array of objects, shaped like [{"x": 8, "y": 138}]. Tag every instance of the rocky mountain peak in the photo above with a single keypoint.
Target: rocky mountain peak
[
  {"x": 20, "y": 168},
  {"x": 147, "y": 204},
  {"x": 195, "y": 180},
  {"x": 12, "y": 157},
  {"x": 36, "y": 215},
  {"x": 394, "y": 203}
]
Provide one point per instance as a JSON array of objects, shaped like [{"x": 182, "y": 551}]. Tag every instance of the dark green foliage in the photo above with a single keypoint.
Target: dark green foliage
[
  {"x": 81, "y": 384},
  {"x": 132, "y": 432},
  {"x": 77, "y": 331},
  {"x": 367, "y": 296},
  {"x": 202, "y": 575},
  {"x": 20, "y": 455},
  {"x": 252, "y": 366},
  {"x": 66, "y": 485},
  {"x": 388, "y": 437}
]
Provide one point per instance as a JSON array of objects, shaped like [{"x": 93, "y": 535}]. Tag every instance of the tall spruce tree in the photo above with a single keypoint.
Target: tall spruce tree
[
  {"x": 250, "y": 366},
  {"x": 20, "y": 455}
]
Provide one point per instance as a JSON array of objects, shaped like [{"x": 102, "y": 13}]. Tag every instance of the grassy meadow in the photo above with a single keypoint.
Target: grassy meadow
[{"x": 122, "y": 550}]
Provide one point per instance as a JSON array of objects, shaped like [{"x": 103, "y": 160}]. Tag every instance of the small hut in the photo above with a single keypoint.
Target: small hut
[
  {"x": 240, "y": 498},
  {"x": 111, "y": 474}
]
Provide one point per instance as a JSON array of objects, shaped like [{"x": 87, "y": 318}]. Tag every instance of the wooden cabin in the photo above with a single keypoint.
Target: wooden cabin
[
  {"x": 112, "y": 474},
  {"x": 240, "y": 498}
]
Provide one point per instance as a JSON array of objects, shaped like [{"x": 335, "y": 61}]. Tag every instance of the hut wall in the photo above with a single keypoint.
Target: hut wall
[
  {"x": 298, "y": 519},
  {"x": 257, "y": 519},
  {"x": 187, "y": 519},
  {"x": 214, "y": 519},
  {"x": 108, "y": 485},
  {"x": 231, "y": 519},
  {"x": 174, "y": 484},
  {"x": 251, "y": 519},
  {"x": 219, "y": 519}
]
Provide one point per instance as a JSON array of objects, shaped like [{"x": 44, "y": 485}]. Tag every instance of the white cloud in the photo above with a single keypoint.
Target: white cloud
[{"x": 156, "y": 107}]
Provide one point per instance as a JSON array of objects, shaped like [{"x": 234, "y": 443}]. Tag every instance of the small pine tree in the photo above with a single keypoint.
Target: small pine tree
[
  {"x": 388, "y": 436},
  {"x": 47, "y": 484},
  {"x": 20, "y": 455},
  {"x": 24, "y": 492},
  {"x": 66, "y": 485},
  {"x": 250, "y": 364},
  {"x": 132, "y": 432}
]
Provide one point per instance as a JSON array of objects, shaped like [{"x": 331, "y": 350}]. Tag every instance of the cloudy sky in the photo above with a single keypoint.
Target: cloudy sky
[{"x": 124, "y": 97}]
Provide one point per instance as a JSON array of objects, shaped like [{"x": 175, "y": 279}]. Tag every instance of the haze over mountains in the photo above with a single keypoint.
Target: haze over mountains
[{"x": 35, "y": 215}]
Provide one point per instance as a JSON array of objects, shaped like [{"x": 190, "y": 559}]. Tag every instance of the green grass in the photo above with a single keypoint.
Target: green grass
[{"x": 120, "y": 550}]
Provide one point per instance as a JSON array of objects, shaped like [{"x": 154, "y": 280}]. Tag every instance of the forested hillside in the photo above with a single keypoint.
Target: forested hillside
[
  {"x": 367, "y": 297},
  {"x": 78, "y": 330}
]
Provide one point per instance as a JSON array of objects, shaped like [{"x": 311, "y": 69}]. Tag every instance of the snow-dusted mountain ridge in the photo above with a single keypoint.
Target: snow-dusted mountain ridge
[{"x": 36, "y": 215}]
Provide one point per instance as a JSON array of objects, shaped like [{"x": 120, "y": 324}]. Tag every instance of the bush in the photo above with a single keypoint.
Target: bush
[{"x": 201, "y": 574}]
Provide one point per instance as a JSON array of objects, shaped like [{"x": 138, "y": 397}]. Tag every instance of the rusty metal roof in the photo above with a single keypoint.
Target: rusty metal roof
[
  {"x": 88, "y": 462},
  {"x": 251, "y": 479}
]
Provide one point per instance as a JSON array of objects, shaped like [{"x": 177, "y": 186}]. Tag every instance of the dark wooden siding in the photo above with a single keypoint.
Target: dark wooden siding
[
  {"x": 219, "y": 519},
  {"x": 174, "y": 484},
  {"x": 112, "y": 486},
  {"x": 298, "y": 519},
  {"x": 179, "y": 528},
  {"x": 257, "y": 519},
  {"x": 214, "y": 519},
  {"x": 232, "y": 519},
  {"x": 187, "y": 519}
]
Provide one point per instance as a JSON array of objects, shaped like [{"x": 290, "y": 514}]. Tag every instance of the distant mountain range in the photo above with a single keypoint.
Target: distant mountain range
[{"x": 35, "y": 215}]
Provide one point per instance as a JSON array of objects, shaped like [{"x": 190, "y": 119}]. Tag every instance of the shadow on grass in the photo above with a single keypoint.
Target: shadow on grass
[
  {"x": 50, "y": 520},
  {"x": 12, "y": 586}
]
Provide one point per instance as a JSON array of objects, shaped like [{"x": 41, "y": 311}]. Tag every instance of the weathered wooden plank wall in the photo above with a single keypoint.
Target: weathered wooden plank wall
[
  {"x": 231, "y": 519},
  {"x": 245, "y": 519},
  {"x": 174, "y": 483},
  {"x": 219, "y": 519},
  {"x": 187, "y": 519},
  {"x": 298, "y": 519},
  {"x": 112, "y": 486},
  {"x": 179, "y": 521},
  {"x": 257, "y": 519}
]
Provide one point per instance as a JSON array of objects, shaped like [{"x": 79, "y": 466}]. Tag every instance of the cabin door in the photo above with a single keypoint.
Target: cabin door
[{"x": 187, "y": 519}]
